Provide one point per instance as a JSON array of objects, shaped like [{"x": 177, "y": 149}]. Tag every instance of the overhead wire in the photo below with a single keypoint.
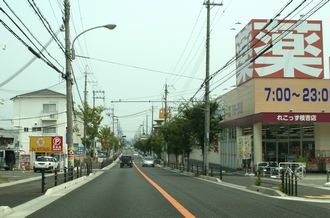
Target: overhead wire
[
  {"x": 44, "y": 48},
  {"x": 281, "y": 36},
  {"x": 136, "y": 67},
  {"x": 231, "y": 61},
  {"x": 38, "y": 55},
  {"x": 46, "y": 24}
]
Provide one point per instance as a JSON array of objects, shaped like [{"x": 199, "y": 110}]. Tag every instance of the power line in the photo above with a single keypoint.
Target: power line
[
  {"x": 137, "y": 67},
  {"x": 37, "y": 54},
  {"x": 43, "y": 47},
  {"x": 281, "y": 36},
  {"x": 46, "y": 24}
]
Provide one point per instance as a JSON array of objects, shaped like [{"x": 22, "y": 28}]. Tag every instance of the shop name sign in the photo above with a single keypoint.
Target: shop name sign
[
  {"x": 295, "y": 117},
  {"x": 49, "y": 144}
]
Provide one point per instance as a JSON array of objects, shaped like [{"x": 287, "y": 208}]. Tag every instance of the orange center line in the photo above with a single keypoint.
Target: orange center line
[{"x": 168, "y": 197}]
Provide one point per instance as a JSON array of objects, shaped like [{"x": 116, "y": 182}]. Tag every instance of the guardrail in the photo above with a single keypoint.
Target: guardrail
[
  {"x": 49, "y": 180},
  {"x": 197, "y": 169}
]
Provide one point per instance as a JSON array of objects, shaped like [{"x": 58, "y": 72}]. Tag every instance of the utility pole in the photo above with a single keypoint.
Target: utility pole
[
  {"x": 97, "y": 97},
  {"x": 165, "y": 120},
  {"x": 165, "y": 112},
  {"x": 152, "y": 120},
  {"x": 147, "y": 124},
  {"x": 85, "y": 108},
  {"x": 207, "y": 88},
  {"x": 69, "y": 106}
]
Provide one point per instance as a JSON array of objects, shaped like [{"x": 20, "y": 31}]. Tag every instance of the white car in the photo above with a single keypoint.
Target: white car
[
  {"x": 148, "y": 161},
  {"x": 46, "y": 163}
]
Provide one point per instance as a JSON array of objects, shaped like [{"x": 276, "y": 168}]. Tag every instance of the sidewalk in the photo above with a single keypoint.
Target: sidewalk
[{"x": 311, "y": 186}]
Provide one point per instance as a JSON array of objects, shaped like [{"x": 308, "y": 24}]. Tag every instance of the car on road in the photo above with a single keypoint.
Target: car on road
[
  {"x": 126, "y": 160},
  {"x": 148, "y": 161},
  {"x": 46, "y": 163}
]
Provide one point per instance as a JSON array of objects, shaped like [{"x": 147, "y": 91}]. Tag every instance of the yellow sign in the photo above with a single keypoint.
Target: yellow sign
[
  {"x": 46, "y": 143},
  {"x": 41, "y": 143},
  {"x": 162, "y": 113},
  {"x": 262, "y": 95}
]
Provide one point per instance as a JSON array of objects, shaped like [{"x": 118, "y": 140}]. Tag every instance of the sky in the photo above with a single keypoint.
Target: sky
[{"x": 155, "y": 43}]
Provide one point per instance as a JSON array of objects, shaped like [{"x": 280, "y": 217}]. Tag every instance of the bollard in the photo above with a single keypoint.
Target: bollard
[
  {"x": 286, "y": 183},
  {"x": 77, "y": 172},
  {"x": 55, "y": 177},
  {"x": 71, "y": 173},
  {"x": 282, "y": 179},
  {"x": 43, "y": 181},
  {"x": 65, "y": 171},
  {"x": 292, "y": 176},
  {"x": 221, "y": 172},
  {"x": 296, "y": 186}
]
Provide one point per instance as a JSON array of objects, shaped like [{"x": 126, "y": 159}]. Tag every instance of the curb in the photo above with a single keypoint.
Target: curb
[{"x": 267, "y": 191}]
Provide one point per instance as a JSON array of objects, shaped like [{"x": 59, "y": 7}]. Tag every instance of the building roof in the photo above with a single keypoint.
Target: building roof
[{"x": 40, "y": 93}]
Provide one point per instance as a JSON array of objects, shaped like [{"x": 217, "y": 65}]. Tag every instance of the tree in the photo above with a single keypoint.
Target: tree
[
  {"x": 196, "y": 118},
  {"x": 177, "y": 136},
  {"x": 92, "y": 118},
  {"x": 105, "y": 138}
]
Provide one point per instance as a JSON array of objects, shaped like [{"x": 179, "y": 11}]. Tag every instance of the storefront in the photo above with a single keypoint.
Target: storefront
[
  {"x": 280, "y": 109},
  {"x": 273, "y": 130}
]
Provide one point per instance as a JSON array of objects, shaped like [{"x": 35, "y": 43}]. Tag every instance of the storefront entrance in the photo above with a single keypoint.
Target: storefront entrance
[{"x": 287, "y": 143}]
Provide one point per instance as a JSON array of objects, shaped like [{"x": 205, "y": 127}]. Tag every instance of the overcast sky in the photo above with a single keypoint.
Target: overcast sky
[{"x": 155, "y": 43}]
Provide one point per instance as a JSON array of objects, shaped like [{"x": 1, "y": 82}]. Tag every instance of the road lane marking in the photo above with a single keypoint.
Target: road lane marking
[
  {"x": 319, "y": 196},
  {"x": 168, "y": 197}
]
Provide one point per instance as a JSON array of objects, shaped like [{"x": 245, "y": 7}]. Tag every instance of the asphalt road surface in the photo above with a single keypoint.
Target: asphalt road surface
[{"x": 125, "y": 192}]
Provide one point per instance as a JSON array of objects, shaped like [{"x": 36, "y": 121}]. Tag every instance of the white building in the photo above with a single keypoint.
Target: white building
[{"x": 40, "y": 113}]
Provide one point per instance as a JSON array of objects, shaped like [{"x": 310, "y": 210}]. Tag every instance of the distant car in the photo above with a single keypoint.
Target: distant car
[
  {"x": 46, "y": 163},
  {"x": 126, "y": 160},
  {"x": 136, "y": 154},
  {"x": 148, "y": 161}
]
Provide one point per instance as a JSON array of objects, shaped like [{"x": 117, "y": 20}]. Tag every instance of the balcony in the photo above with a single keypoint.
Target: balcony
[{"x": 51, "y": 116}]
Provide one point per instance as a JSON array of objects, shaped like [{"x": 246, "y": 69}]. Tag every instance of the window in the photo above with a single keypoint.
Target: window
[
  {"x": 49, "y": 108},
  {"x": 26, "y": 129},
  {"x": 49, "y": 130},
  {"x": 36, "y": 129}
]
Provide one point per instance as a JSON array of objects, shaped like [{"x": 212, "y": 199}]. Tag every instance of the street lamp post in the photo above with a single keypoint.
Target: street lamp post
[
  {"x": 69, "y": 82},
  {"x": 108, "y": 26}
]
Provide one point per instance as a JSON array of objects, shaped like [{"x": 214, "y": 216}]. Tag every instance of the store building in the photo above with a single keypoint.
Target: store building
[{"x": 279, "y": 110}]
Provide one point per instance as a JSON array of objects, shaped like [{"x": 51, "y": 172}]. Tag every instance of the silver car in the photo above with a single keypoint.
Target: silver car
[{"x": 148, "y": 161}]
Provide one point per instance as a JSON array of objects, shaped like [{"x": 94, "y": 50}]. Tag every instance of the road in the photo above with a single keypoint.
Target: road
[{"x": 125, "y": 192}]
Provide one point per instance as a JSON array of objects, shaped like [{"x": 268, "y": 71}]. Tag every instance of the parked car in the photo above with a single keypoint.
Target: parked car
[
  {"x": 148, "y": 161},
  {"x": 126, "y": 160},
  {"x": 46, "y": 163}
]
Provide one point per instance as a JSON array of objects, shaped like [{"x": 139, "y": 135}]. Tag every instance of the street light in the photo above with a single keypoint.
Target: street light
[
  {"x": 69, "y": 55},
  {"x": 108, "y": 26}
]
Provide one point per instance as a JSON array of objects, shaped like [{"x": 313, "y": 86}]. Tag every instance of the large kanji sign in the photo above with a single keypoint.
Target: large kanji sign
[{"x": 279, "y": 49}]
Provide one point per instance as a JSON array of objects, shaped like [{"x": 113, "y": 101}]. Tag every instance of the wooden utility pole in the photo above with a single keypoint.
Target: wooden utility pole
[
  {"x": 207, "y": 88},
  {"x": 69, "y": 100}
]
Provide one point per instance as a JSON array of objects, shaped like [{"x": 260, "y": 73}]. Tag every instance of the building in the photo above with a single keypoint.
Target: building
[
  {"x": 42, "y": 114},
  {"x": 280, "y": 109}
]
